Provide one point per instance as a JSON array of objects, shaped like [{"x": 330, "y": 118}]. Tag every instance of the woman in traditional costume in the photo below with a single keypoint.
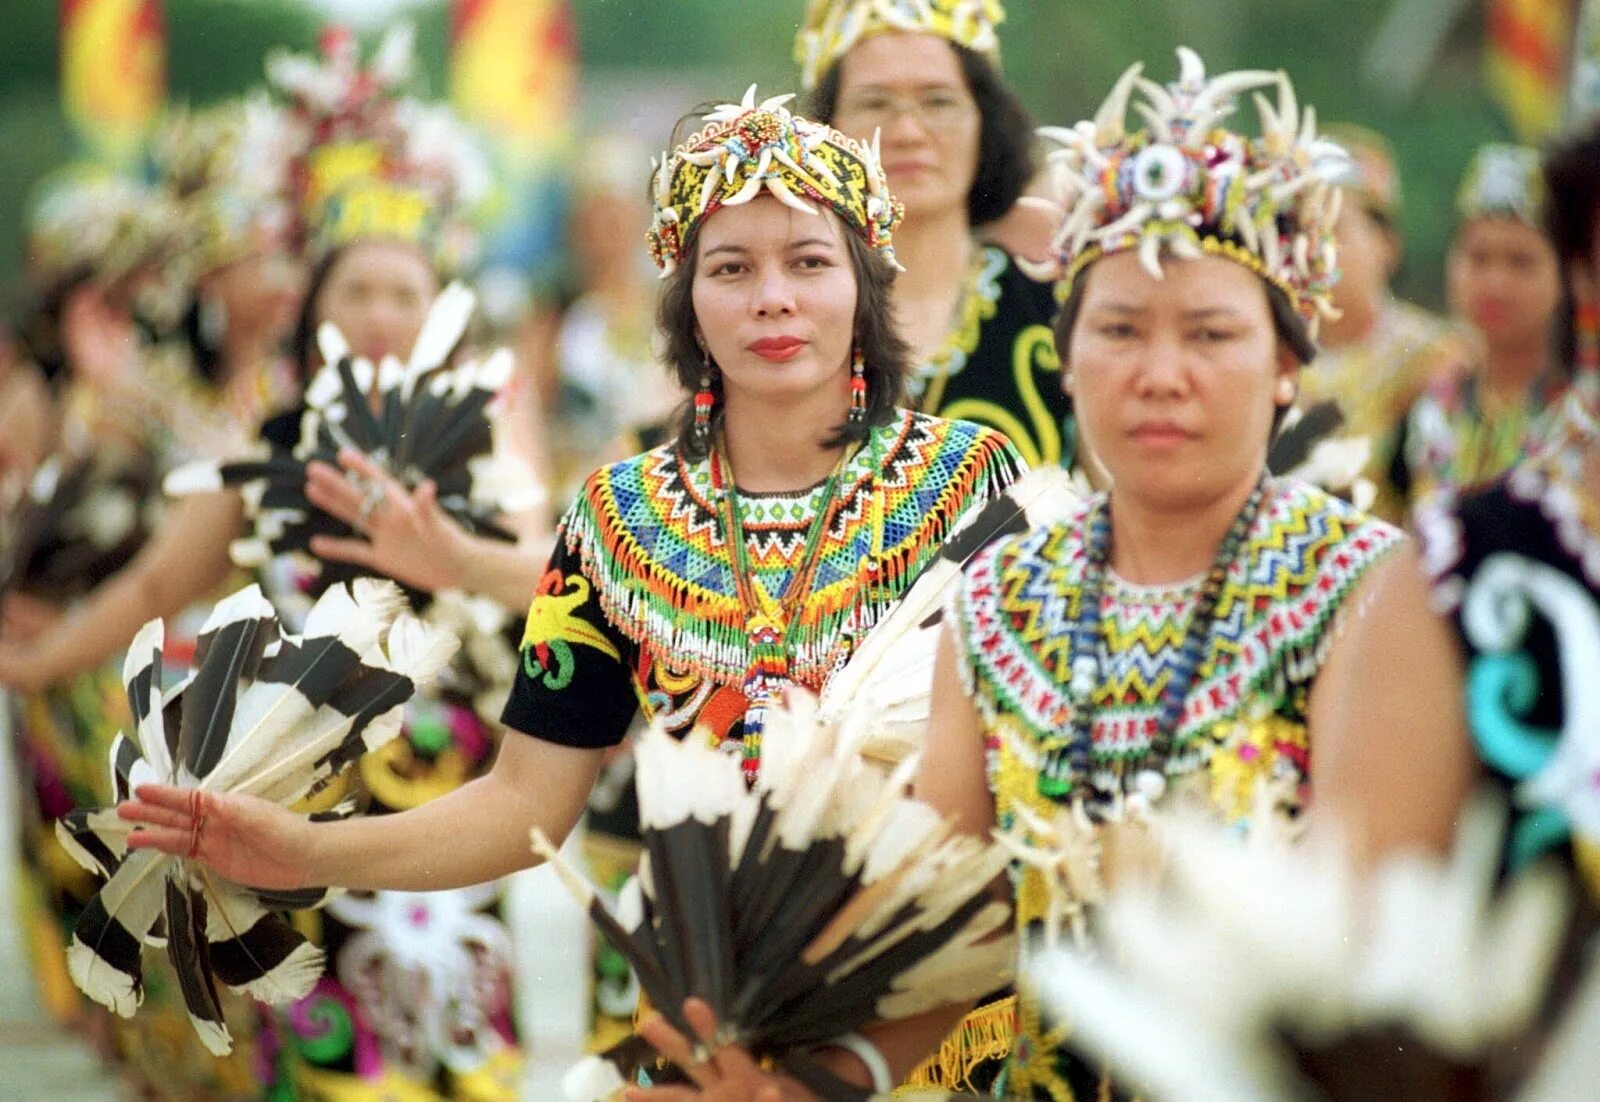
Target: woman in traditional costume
[
  {"x": 1187, "y": 638},
  {"x": 697, "y": 581},
  {"x": 1378, "y": 355},
  {"x": 957, "y": 145},
  {"x": 1505, "y": 285},
  {"x": 135, "y": 402},
  {"x": 1511, "y": 599},
  {"x": 417, "y": 994}
]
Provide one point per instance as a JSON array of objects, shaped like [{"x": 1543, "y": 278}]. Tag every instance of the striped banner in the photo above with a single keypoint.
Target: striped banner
[
  {"x": 514, "y": 76},
  {"x": 513, "y": 70},
  {"x": 1526, "y": 44},
  {"x": 113, "y": 74},
  {"x": 1583, "y": 96}
]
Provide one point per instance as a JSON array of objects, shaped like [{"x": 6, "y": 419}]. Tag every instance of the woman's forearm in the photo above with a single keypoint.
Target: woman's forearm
[
  {"x": 507, "y": 573},
  {"x": 478, "y": 833},
  {"x": 182, "y": 562}
]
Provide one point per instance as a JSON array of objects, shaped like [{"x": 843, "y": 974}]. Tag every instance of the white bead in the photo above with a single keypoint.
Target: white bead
[
  {"x": 1084, "y": 671},
  {"x": 1150, "y": 784}
]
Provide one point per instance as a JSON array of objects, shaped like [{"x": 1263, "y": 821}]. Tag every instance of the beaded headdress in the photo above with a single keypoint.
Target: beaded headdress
[
  {"x": 364, "y": 160},
  {"x": 1371, "y": 177},
  {"x": 747, "y": 149},
  {"x": 215, "y": 167},
  {"x": 87, "y": 221},
  {"x": 1503, "y": 181},
  {"x": 832, "y": 27},
  {"x": 1188, "y": 186}
]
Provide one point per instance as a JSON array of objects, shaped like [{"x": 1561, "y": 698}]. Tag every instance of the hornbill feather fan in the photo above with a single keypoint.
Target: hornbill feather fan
[
  {"x": 820, "y": 901},
  {"x": 424, "y": 419},
  {"x": 264, "y": 713}
]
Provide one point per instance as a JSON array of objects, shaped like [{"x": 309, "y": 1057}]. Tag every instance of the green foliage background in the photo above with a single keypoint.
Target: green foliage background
[{"x": 1061, "y": 54}]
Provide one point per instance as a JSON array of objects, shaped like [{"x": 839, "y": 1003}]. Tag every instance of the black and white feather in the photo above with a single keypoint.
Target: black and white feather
[
  {"x": 80, "y": 520},
  {"x": 883, "y": 695},
  {"x": 1284, "y": 973},
  {"x": 423, "y": 419},
  {"x": 820, "y": 901},
  {"x": 265, "y": 714}
]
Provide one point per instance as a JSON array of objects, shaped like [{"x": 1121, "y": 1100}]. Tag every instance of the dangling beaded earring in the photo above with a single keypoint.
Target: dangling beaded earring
[
  {"x": 858, "y": 387},
  {"x": 1586, "y": 335},
  {"x": 704, "y": 399}
]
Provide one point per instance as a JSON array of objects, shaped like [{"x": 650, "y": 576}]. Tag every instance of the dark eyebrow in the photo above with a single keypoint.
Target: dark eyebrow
[
  {"x": 1210, "y": 312},
  {"x": 715, "y": 249}
]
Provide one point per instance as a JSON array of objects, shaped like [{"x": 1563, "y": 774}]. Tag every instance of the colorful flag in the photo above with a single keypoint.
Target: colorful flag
[
  {"x": 113, "y": 74},
  {"x": 1583, "y": 96},
  {"x": 513, "y": 70},
  {"x": 514, "y": 75}
]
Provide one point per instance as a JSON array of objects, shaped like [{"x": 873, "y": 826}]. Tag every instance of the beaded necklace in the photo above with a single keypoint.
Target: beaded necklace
[
  {"x": 1065, "y": 764},
  {"x": 768, "y": 618}
]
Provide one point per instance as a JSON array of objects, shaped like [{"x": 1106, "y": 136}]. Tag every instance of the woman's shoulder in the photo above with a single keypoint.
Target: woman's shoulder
[
  {"x": 622, "y": 483},
  {"x": 956, "y": 435},
  {"x": 1313, "y": 545},
  {"x": 1293, "y": 505},
  {"x": 1054, "y": 549}
]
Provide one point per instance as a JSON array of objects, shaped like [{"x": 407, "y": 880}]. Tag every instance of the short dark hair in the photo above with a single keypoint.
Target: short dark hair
[
  {"x": 303, "y": 341},
  {"x": 1005, "y": 133},
  {"x": 1572, "y": 190},
  {"x": 885, "y": 354}
]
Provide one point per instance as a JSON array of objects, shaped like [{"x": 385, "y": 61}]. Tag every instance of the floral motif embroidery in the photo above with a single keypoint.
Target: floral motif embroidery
[{"x": 552, "y": 629}]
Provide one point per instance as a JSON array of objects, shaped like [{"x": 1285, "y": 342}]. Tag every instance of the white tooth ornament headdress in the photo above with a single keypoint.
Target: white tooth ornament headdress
[
  {"x": 1503, "y": 181},
  {"x": 747, "y": 149},
  {"x": 1187, "y": 186},
  {"x": 832, "y": 27}
]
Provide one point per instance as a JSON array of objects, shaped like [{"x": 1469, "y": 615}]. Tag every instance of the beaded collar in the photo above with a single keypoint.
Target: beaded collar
[{"x": 1064, "y": 764}]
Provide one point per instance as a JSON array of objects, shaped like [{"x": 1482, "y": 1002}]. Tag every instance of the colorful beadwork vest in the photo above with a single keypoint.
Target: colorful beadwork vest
[
  {"x": 1244, "y": 722},
  {"x": 650, "y": 534}
]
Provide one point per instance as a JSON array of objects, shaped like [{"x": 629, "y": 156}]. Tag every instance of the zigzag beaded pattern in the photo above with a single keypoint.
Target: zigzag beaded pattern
[
  {"x": 1306, "y": 551},
  {"x": 650, "y": 536}
]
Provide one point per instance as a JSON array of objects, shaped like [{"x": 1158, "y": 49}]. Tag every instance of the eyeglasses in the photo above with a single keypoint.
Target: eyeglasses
[{"x": 935, "y": 110}]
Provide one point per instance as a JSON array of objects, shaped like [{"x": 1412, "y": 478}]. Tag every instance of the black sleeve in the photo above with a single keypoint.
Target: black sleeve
[{"x": 574, "y": 683}]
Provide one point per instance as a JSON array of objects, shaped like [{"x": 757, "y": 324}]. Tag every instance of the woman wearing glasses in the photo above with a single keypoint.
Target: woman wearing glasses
[{"x": 957, "y": 147}]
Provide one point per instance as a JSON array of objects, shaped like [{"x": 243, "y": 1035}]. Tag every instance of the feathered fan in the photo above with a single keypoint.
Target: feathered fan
[
  {"x": 821, "y": 901},
  {"x": 79, "y": 520},
  {"x": 1277, "y": 973},
  {"x": 263, "y": 714},
  {"x": 419, "y": 420},
  {"x": 882, "y": 695}
]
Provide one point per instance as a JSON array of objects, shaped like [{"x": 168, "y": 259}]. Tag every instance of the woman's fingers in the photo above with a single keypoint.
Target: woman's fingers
[
  {"x": 329, "y": 490},
  {"x": 168, "y": 796},
  {"x": 362, "y": 466},
  {"x": 694, "y": 1060},
  {"x": 359, "y": 552},
  {"x": 179, "y": 843},
  {"x": 138, "y": 811},
  {"x": 729, "y": 1060}
]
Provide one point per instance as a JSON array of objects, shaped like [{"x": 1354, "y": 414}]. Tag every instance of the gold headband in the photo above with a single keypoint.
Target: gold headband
[
  {"x": 832, "y": 27},
  {"x": 746, "y": 149}
]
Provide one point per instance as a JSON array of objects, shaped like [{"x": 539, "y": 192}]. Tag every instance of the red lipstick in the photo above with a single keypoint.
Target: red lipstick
[{"x": 777, "y": 349}]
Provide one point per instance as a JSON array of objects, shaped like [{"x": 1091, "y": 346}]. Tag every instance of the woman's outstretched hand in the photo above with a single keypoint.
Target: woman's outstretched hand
[
  {"x": 721, "y": 1073},
  {"x": 247, "y": 839},
  {"x": 408, "y": 536}
]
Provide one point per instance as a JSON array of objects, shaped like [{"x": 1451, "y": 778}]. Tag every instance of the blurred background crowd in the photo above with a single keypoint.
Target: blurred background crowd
[{"x": 140, "y": 328}]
